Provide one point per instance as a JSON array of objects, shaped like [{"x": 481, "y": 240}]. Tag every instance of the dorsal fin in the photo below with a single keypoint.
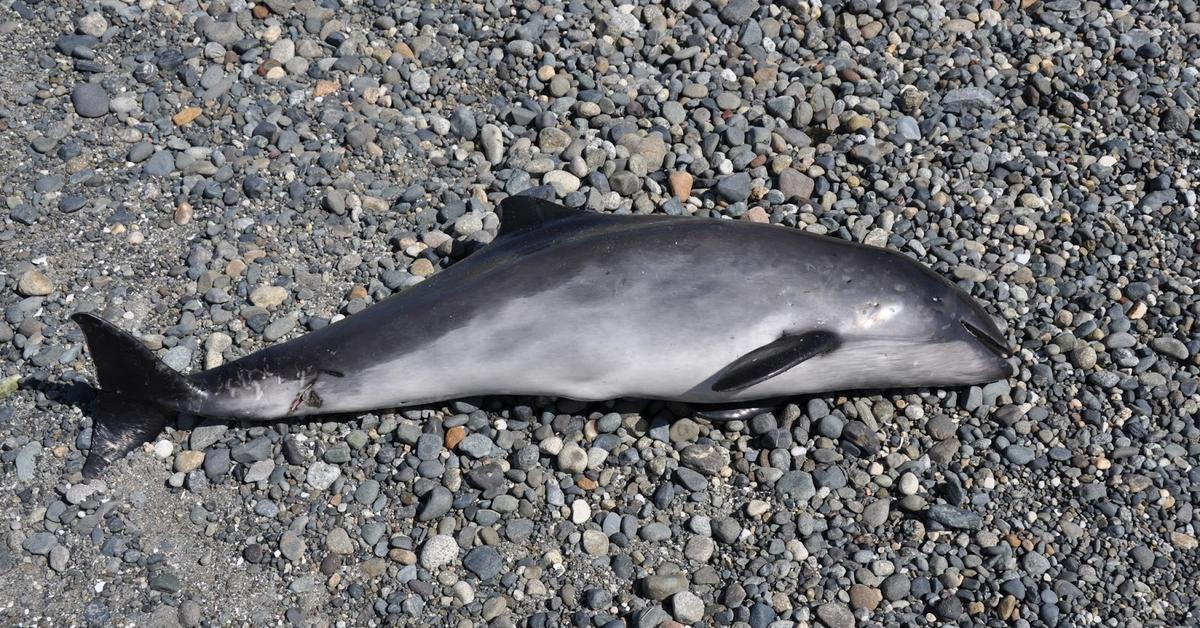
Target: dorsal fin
[{"x": 521, "y": 213}]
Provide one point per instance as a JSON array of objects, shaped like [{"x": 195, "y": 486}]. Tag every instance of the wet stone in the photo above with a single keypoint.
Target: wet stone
[
  {"x": 736, "y": 12},
  {"x": 691, "y": 480},
  {"x": 949, "y": 609},
  {"x": 486, "y": 477}
]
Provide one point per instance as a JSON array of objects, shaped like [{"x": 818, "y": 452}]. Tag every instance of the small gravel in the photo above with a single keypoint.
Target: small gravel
[{"x": 220, "y": 177}]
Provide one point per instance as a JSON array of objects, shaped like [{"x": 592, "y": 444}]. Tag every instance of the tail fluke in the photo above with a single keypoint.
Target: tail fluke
[
  {"x": 120, "y": 425},
  {"x": 138, "y": 393}
]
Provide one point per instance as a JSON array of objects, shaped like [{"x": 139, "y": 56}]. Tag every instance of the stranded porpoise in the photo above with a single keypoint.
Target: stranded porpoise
[{"x": 588, "y": 306}]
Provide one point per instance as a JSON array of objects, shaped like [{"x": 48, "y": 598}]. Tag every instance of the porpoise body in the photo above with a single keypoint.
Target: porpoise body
[{"x": 589, "y": 306}]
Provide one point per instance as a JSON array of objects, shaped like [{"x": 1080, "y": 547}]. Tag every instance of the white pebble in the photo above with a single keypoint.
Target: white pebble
[
  {"x": 552, "y": 445},
  {"x": 580, "y": 511},
  {"x": 908, "y": 484}
]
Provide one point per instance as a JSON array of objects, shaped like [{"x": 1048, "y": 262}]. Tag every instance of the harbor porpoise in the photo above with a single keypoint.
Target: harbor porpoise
[{"x": 588, "y": 306}]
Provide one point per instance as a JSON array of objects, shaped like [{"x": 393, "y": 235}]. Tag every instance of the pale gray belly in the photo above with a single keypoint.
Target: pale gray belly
[{"x": 553, "y": 347}]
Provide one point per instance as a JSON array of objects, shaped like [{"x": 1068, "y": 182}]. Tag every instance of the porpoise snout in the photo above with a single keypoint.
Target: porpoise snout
[{"x": 992, "y": 343}]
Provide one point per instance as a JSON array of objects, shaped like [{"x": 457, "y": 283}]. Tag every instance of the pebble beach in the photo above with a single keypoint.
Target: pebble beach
[{"x": 217, "y": 177}]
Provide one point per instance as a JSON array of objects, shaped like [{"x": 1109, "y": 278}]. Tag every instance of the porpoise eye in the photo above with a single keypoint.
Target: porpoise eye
[{"x": 937, "y": 299}]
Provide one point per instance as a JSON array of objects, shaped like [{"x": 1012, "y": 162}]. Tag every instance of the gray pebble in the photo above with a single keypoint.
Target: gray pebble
[
  {"x": 1170, "y": 347},
  {"x": 687, "y": 607},
  {"x": 321, "y": 476},
  {"x": 796, "y": 484},
  {"x": 485, "y": 562},
  {"x": 27, "y": 460},
  {"x": 259, "y": 471},
  {"x": 655, "y": 532},
  {"x": 737, "y": 12},
  {"x": 660, "y": 587},
  {"x": 572, "y": 459},
  {"x": 896, "y": 587},
  {"x": 1035, "y": 563},
  {"x": 876, "y": 513},
  {"x": 367, "y": 492},
  {"x": 160, "y": 165},
  {"x": 492, "y": 142},
  {"x": 60, "y": 557},
  {"x": 734, "y": 188},
  {"x": 435, "y": 504},
  {"x": 339, "y": 453},
  {"x": 207, "y": 434},
  {"x": 463, "y": 123},
  {"x": 835, "y": 615},
  {"x": 338, "y": 541},
  {"x": 726, "y": 530},
  {"x": 140, "y": 152},
  {"x": 39, "y": 543},
  {"x": 90, "y": 100},
  {"x": 1019, "y": 454},
  {"x": 967, "y": 98},
  {"x": 253, "y": 451},
  {"x": 706, "y": 459},
  {"x": 222, "y": 32},
  {"x": 189, "y": 613},
  {"x": 165, "y": 582},
  {"x": 292, "y": 546},
  {"x": 279, "y": 328},
  {"x": 595, "y": 542},
  {"x": 178, "y": 357},
  {"x": 907, "y": 128},
  {"x": 954, "y": 517}
]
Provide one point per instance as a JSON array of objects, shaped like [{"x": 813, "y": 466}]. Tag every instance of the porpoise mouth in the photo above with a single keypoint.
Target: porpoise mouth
[{"x": 992, "y": 342}]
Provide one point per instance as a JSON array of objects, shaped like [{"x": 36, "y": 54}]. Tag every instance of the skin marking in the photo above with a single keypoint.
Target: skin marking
[
  {"x": 298, "y": 400},
  {"x": 306, "y": 395},
  {"x": 873, "y": 314}
]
